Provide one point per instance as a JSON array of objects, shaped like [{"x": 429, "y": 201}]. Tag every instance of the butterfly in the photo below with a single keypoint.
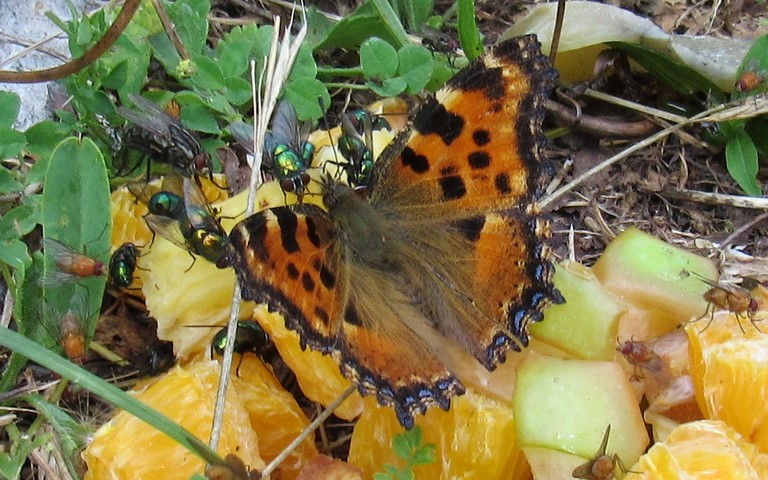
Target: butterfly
[{"x": 440, "y": 259}]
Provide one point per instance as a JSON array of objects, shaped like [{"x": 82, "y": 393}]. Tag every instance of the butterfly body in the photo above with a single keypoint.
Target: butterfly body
[{"x": 439, "y": 264}]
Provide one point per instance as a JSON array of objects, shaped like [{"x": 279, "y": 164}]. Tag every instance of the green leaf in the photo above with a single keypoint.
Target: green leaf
[
  {"x": 391, "y": 22},
  {"x": 199, "y": 118},
  {"x": 378, "y": 59},
  {"x": 319, "y": 26},
  {"x": 304, "y": 94},
  {"x": 757, "y": 128},
  {"x": 10, "y": 103},
  {"x": 441, "y": 73},
  {"x": 15, "y": 254},
  {"x": 164, "y": 51},
  {"x": 741, "y": 160},
  {"x": 233, "y": 57},
  {"x": 680, "y": 77},
  {"x": 21, "y": 446},
  {"x": 469, "y": 36},
  {"x": 415, "y": 66},
  {"x": 12, "y": 142},
  {"x": 8, "y": 182},
  {"x": 208, "y": 74},
  {"x": 388, "y": 87},
  {"x": 191, "y": 21},
  {"x": 74, "y": 212},
  {"x": 305, "y": 66},
  {"x": 238, "y": 91},
  {"x": 18, "y": 222},
  {"x": 424, "y": 455},
  {"x": 352, "y": 30},
  {"x": 416, "y": 12},
  {"x": 42, "y": 138}
]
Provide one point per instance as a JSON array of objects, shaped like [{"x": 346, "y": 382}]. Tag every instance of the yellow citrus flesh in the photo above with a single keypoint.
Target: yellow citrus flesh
[
  {"x": 474, "y": 439},
  {"x": 274, "y": 415},
  {"x": 261, "y": 419},
  {"x": 128, "y": 448},
  {"x": 701, "y": 450},
  {"x": 318, "y": 375},
  {"x": 730, "y": 373}
]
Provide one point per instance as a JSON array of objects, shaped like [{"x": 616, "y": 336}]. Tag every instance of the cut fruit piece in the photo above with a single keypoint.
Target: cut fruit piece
[
  {"x": 318, "y": 375},
  {"x": 474, "y": 439},
  {"x": 187, "y": 396},
  {"x": 548, "y": 464},
  {"x": 654, "y": 275},
  {"x": 261, "y": 420},
  {"x": 567, "y": 405},
  {"x": 585, "y": 325},
  {"x": 274, "y": 415},
  {"x": 703, "y": 450},
  {"x": 730, "y": 373}
]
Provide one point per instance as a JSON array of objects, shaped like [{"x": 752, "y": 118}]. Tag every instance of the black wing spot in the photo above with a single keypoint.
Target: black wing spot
[
  {"x": 479, "y": 160},
  {"x": 417, "y": 163},
  {"x": 307, "y": 282},
  {"x": 502, "y": 183},
  {"x": 453, "y": 187},
  {"x": 481, "y": 137}
]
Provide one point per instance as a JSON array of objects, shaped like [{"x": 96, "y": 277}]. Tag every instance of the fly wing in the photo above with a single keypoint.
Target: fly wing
[{"x": 149, "y": 116}]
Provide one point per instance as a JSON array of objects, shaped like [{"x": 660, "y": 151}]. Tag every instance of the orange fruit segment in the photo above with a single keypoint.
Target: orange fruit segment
[
  {"x": 187, "y": 396},
  {"x": 260, "y": 420},
  {"x": 318, "y": 375},
  {"x": 474, "y": 439},
  {"x": 701, "y": 450},
  {"x": 730, "y": 373}
]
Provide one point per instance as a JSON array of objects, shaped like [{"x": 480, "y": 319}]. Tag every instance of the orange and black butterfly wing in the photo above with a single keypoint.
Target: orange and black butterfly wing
[
  {"x": 476, "y": 145},
  {"x": 473, "y": 161},
  {"x": 289, "y": 261},
  {"x": 292, "y": 260}
]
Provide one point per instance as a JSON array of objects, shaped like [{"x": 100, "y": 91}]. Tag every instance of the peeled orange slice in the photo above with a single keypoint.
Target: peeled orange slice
[
  {"x": 730, "y": 374},
  {"x": 261, "y": 419},
  {"x": 474, "y": 439},
  {"x": 701, "y": 450},
  {"x": 128, "y": 448}
]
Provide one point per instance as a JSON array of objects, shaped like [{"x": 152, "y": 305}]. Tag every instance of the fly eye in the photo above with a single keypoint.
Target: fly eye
[{"x": 287, "y": 185}]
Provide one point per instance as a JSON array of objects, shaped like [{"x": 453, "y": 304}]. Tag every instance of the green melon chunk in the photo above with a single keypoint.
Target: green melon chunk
[
  {"x": 566, "y": 405},
  {"x": 655, "y": 275},
  {"x": 585, "y": 325}
]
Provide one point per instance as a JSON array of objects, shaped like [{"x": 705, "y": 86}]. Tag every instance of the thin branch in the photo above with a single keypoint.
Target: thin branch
[{"x": 74, "y": 66}]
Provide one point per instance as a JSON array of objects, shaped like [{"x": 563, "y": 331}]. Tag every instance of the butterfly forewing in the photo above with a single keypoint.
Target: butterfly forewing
[
  {"x": 288, "y": 260},
  {"x": 476, "y": 145}
]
